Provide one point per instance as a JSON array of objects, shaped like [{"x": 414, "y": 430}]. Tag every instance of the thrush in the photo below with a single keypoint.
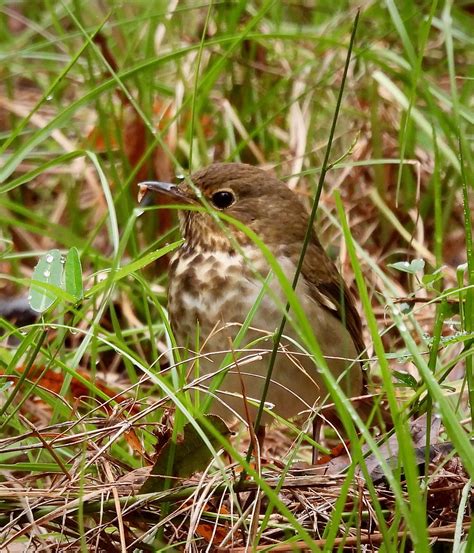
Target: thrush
[{"x": 220, "y": 275}]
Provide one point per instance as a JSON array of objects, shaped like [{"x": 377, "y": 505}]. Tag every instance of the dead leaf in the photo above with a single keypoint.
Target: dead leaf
[{"x": 187, "y": 456}]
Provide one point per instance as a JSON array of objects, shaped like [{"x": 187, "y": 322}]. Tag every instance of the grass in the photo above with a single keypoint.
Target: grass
[{"x": 94, "y": 101}]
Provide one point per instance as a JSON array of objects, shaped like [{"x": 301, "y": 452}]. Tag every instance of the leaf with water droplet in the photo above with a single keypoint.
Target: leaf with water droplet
[
  {"x": 412, "y": 267},
  {"x": 73, "y": 274},
  {"x": 46, "y": 275}
]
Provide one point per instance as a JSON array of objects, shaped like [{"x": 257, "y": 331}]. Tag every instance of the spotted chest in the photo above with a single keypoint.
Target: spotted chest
[{"x": 208, "y": 289}]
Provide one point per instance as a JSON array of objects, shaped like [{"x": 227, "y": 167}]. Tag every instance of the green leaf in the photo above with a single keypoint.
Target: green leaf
[
  {"x": 46, "y": 275},
  {"x": 189, "y": 455},
  {"x": 429, "y": 280},
  {"x": 406, "y": 379},
  {"x": 73, "y": 274},
  {"x": 412, "y": 267}
]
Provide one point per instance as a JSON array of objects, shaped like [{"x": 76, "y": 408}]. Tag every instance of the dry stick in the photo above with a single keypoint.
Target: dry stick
[
  {"x": 118, "y": 508},
  {"x": 376, "y": 538},
  {"x": 47, "y": 446},
  {"x": 425, "y": 300}
]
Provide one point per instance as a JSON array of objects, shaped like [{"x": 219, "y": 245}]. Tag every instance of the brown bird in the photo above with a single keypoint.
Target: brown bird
[{"x": 216, "y": 278}]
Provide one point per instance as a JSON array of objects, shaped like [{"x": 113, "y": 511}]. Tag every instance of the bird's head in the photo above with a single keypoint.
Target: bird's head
[{"x": 252, "y": 196}]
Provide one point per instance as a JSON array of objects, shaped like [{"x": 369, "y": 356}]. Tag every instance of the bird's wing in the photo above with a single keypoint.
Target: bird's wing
[{"x": 328, "y": 287}]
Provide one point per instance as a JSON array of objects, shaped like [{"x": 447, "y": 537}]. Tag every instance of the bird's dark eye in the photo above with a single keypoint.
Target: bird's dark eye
[{"x": 223, "y": 199}]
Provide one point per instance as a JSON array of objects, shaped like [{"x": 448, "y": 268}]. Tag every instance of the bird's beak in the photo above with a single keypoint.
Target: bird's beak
[{"x": 166, "y": 188}]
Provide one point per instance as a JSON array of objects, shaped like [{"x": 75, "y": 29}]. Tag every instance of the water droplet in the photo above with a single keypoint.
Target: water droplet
[
  {"x": 47, "y": 274},
  {"x": 269, "y": 406},
  {"x": 402, "y": 327},
  {"x": 23, "y": 332},
  {"x": 180, "y": 176},
  {"x": 49, "y": 97},
  {"x": 49, "y": 258},
  {"x": 63, "y": 259},
  {"x": 74, "y": 331},
  {"x": 139, "y": 212},
  {"x": 29, "y": 297}
]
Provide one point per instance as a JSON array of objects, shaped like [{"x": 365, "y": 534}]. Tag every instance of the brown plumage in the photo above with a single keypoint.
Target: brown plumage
[{"x": 213, "y": 287}]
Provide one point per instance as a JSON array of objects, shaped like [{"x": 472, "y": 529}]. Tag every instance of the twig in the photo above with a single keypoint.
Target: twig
[{"x": 375, "y": 538}]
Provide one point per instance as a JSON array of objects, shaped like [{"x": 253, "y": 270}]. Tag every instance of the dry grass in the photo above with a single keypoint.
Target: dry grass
[{"x": 85, "y": 407}]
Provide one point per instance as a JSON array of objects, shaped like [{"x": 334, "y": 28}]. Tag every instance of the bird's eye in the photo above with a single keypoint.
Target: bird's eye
[{"x": 223, "y": 199}]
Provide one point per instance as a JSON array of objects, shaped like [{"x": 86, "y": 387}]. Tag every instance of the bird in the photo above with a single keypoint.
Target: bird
[{"x": 220, "y": 274}]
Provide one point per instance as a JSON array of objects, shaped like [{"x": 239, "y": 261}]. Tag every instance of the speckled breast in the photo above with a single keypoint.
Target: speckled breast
[{"x": 207, "y": 289}]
